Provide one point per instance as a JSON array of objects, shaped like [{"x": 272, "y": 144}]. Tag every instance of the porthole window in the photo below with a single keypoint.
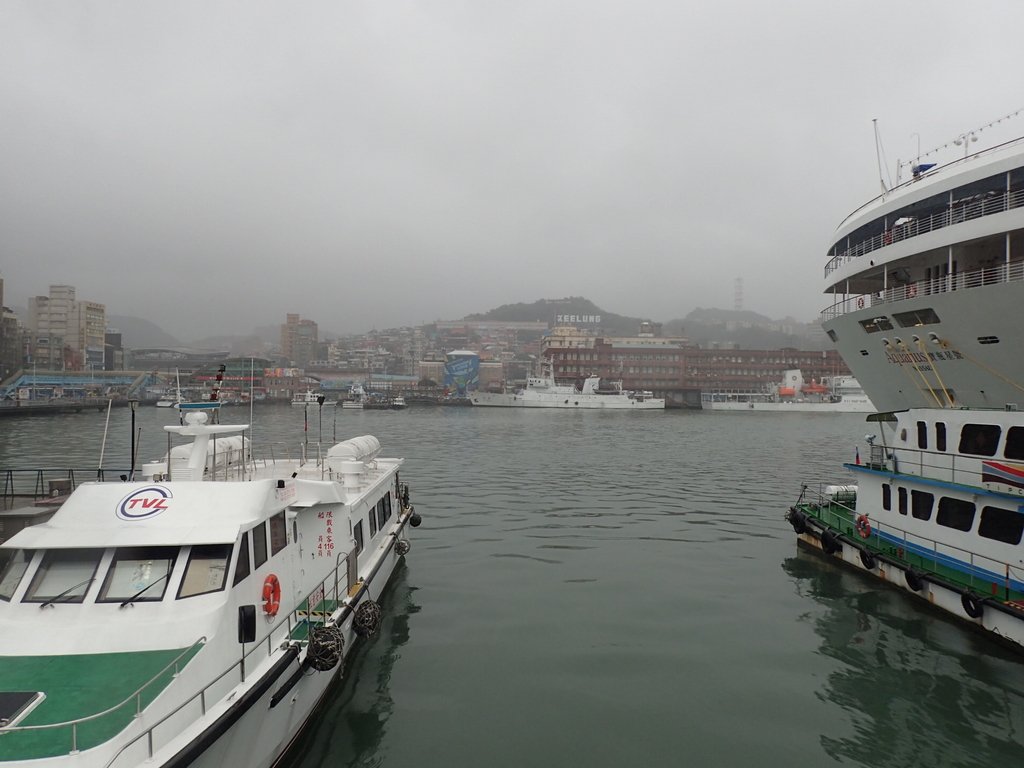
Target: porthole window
[{"x": 886, "y": 496}]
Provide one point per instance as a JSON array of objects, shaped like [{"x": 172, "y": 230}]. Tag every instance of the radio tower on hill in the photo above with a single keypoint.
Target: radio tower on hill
[{"x": 737, "y": 300}]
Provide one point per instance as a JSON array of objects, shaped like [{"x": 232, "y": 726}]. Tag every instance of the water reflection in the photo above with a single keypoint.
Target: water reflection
[
  {"x": 918, "y": 689},
  {"x": 351, "y": 723}
]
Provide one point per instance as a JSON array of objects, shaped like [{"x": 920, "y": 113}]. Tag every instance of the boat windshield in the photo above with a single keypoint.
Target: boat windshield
[
  {"x": 64, "y": 576},
  {"x": 207, "y": 570},
  {"x": 138, "y": 574},
  {"x": 13, "y": 564}
]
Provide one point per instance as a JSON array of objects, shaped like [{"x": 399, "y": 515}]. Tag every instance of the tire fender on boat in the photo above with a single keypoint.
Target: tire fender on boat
[
  {"x": 830, "y": 542},
  {"x": 798, "y": 520},
  {"x": 913, "y": 579},
  {"x": 271, "y": 595},
  {"x": 973, "y": 604},
  {"x": 868, "y": 560}
]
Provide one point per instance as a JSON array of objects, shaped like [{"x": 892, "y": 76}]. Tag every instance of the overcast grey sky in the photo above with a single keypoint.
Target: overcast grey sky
[{"x": 214, "y": 165}]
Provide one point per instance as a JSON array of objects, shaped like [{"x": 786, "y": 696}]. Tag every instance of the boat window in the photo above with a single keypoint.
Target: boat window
[
  {"x": 980, "y": 439},
  {"x": 13, "y": 563},
  {"x": 206, "y": 571},
  {"x": 955, "y": 513},
  {"x": 138, "y": 572},
  {"x": 380, "y": 514},
  {"x": 876, "y": 324},
  {"x": 832, "y": 335},
  {"x": 278, "y": 533},
  {"x": 921, "y": 504},
  {"x": 902, "y": 501},
  {"x": 886, "y": 496},
  {"x": 1000, "y": 524},
  {"x": 372, "y": 516},
  {"x": 940, "y": 436},
  {"x": 1014, "y": 443},
  {"x": 243, "y": 567},
  {"x": 387, "y": 506},
  {"x": 916, "y": 317},
  {"x": 922, "y": 435},
  {"x": 259, "y": 546},
  {"x": 357, "y": 534},
  {"x": 64, "y": 576}
]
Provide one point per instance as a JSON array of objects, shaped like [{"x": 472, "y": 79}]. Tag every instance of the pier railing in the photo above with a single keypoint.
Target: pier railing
[{"x": 46, "y": 482}]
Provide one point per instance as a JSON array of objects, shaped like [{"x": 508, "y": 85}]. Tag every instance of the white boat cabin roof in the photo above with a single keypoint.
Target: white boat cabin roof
[{"x": 146, "y": 514}]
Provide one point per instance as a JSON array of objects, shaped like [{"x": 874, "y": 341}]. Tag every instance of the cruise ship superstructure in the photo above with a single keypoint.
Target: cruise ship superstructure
[{"x": 927, "y": 283}]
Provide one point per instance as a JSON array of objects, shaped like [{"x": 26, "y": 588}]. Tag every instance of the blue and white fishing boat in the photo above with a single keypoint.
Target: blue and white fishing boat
[
  {"x": 928, "y": 282},
  {"x": 194, "y": 615}
]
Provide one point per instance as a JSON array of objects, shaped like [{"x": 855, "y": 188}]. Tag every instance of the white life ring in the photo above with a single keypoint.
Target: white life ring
[{"x": 860, "y": 303}]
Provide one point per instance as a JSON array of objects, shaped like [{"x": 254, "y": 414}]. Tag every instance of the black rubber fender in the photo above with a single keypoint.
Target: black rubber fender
[
  {"x": 798, "y": 520},
  {"x": 973, "y": 603},
  {"x": 913, "y": 579},
  {"x": 868, "y": 560},
  {"x": 830, "y": 542}
]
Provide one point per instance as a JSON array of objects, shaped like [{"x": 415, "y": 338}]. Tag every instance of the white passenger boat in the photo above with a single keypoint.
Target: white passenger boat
[
  {"x": 928, "y": 281},
  {"x": 835, "y": 394},
  {"x": 195, "y": 616},
  {"x": 309, "y": 397},
  {"x": 542, "y": 392}
]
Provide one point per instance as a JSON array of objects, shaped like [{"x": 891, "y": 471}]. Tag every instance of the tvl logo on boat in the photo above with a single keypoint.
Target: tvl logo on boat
[{"x": 144, "y": 503}]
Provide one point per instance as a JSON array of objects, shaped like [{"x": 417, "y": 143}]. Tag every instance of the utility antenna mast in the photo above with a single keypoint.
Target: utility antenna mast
[{"x": 878, "y": 154}]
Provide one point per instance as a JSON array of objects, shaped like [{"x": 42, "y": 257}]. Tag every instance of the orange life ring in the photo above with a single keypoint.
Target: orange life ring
[
  {"x": 271, "y": 595},
  {"x": 863, "y": 526},
  {"x": 911, "y": 291},
  {"x": 887, "y": 239},
  {"x": 860, "y": 303}
]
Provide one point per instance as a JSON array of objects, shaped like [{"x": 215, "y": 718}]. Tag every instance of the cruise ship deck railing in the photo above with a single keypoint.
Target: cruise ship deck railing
[
  {"x": 1002, "y": 273},
  {"x": 882, "y": 535},
  {"x": 956, "y": 214},
  {"x": 333, "y": 587}
]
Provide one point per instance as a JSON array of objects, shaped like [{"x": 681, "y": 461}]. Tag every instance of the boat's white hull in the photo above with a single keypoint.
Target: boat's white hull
[
  {"x": 845, "y": 406},
  {"x": 263, "y": 734},
  {"x": 1008, "y": 626},
  {"x": 577, "y": 402}
]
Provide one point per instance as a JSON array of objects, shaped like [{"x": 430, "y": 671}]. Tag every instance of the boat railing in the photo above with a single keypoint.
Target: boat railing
[
  {"x": 944, "y": 466},
  {"x": 331, "y": 588},
  {"x": 1002, "y": 273},
  {"x": 959, "y": 212},
  {"x": 135, "y": 697},
  {"x": 930, "y": 554}
]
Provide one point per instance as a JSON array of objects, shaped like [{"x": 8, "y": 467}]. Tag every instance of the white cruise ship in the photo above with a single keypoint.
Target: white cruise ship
[{"x": 927, "y": 283}]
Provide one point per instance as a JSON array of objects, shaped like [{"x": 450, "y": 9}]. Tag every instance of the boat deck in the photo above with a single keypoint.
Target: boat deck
[{"x": 80, "y": 686}]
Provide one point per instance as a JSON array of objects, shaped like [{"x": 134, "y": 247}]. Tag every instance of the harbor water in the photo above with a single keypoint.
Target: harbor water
[{"x": 618, "y": 589}]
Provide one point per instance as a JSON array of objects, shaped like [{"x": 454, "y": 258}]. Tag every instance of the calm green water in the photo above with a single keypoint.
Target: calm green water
[{"x": 601, "y": 589}]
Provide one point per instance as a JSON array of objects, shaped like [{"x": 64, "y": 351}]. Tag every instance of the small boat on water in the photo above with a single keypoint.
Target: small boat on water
[
  {"x": 836, "y": 394},
  {"x": 309, "y": 397},
  {"x": 195, "y": 614},
  {"x": 356, "y": 399},
  {"x": 927, "y": 283},
  {"x": 543, "y": 392}
]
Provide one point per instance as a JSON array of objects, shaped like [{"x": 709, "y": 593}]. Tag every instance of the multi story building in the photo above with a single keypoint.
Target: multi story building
[
  {"x": 299, "y": 340},
  {"x": 65, "y": 333},
  {"x": 10, "y": 339}
]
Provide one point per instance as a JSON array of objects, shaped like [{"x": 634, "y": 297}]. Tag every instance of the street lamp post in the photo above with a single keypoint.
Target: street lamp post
[{"x": 133, "y": 403}]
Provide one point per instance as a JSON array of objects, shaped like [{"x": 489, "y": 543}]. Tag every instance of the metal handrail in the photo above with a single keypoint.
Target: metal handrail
[
  {"x": 957, "y": 214},
  {"x": 240, "y": 664},
  {"x": 1002, "y": 273},
  {"x": 137, "y": 695},
  {"x": 1010, "y": 571}
]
